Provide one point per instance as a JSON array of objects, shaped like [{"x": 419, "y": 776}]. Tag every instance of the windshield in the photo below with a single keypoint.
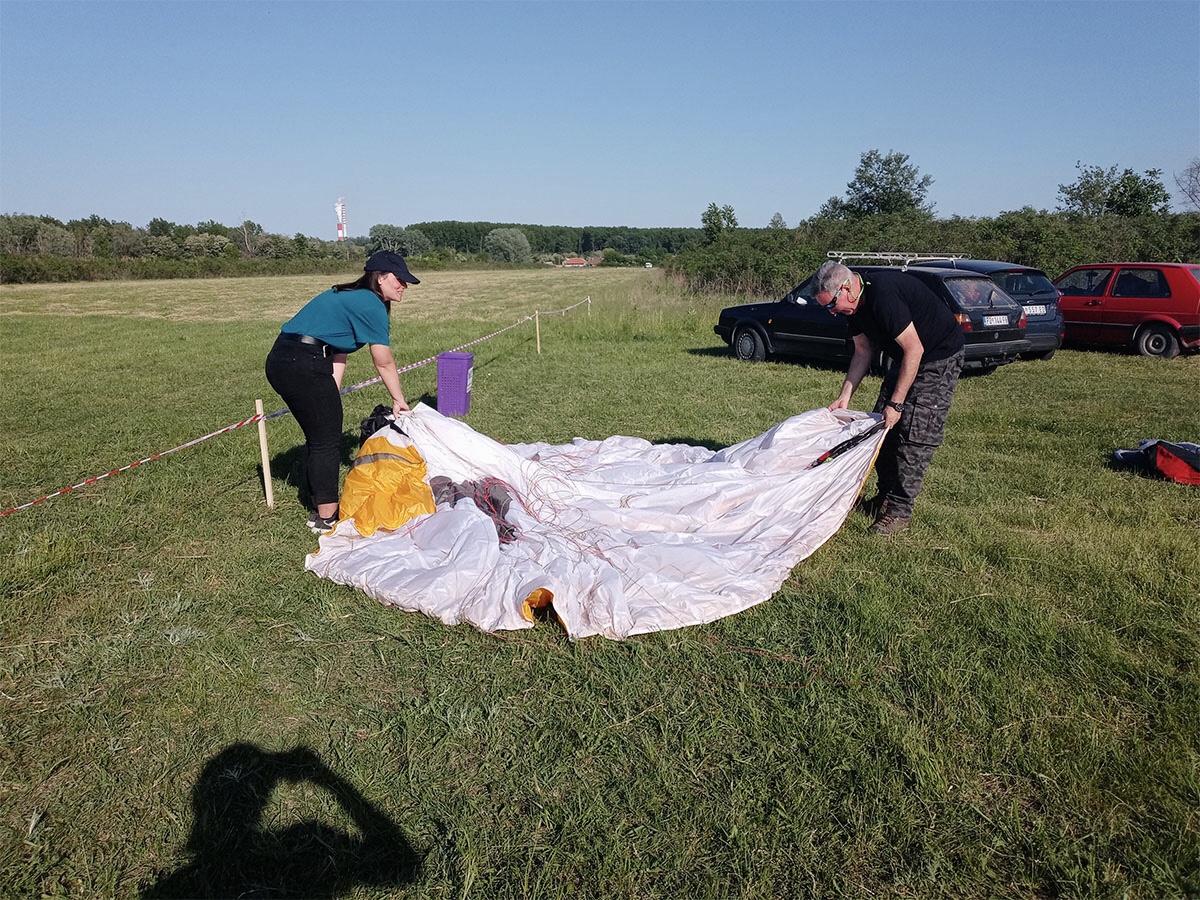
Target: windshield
[
  {"x": 803, "y": 292},
  {"x": 976, "y": 293},
  {"x": 1023, "y": 284}
]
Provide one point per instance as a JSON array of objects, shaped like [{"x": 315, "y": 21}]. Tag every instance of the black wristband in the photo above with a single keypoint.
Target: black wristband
[{"x": 898, "y": 407}]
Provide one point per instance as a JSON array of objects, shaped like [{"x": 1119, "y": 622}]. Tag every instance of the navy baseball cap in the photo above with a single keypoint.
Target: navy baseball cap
[{"x": 390, "y": 261}]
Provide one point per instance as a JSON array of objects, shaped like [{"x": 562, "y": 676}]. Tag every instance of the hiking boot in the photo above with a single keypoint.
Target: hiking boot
[
  {"x": 887, "y": 524},
  {"x": 321, "y": 525},
  {"x": 875, "y": 507}
]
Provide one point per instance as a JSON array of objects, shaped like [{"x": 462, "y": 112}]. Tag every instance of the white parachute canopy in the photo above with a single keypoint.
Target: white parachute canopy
[{"x": 625, "y": 536}]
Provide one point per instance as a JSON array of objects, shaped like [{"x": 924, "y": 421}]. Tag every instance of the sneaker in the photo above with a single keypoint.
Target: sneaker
[
  {"x": 887, "y": 524},
  {"x": 320, "y": 525},
  {"x": 875, "y": 507}
]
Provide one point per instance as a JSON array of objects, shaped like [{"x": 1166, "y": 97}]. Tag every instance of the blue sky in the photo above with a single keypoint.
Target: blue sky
[{"x": 575, "y": 113}]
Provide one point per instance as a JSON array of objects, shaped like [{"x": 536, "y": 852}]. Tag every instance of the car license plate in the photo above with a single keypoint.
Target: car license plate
[
  {"x": 993, "y": 321},
  {"x": 1035, "y": 309}
]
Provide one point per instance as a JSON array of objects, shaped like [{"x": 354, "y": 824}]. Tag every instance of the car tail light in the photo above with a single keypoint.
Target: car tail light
[
  {"x": 965, "y": 321},
  {"x": 1023, "y": 321}
]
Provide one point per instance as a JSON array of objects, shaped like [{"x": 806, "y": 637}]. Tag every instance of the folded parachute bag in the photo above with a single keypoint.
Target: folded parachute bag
[
  {"x": 386, "y": 484},
  {"x": 1178, "y": 462}
]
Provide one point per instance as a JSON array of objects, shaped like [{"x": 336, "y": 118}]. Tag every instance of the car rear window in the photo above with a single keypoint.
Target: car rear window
[
  {"x": 1195, "y": 273},
  {"x": 976, "y": 293},
  {"x": 1023, "y": 284},
  {"x": 1141, "y": 283}
]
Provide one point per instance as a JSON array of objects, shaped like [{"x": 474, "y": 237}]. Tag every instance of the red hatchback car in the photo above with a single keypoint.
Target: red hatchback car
[{"x": 1152, "y": 307}]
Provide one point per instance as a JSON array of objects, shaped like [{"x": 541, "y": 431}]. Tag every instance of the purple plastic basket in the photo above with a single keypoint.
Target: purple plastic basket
[{"x": 454, "y": 370}]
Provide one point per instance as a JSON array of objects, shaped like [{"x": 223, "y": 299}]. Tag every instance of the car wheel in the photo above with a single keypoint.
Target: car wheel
[
  {"x": 1157, "y": 340},
  {"x": 748, "y": 345}
]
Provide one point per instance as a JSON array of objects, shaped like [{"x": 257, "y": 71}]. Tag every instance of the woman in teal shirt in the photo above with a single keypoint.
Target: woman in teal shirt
[{"x": 308, "y": 360}]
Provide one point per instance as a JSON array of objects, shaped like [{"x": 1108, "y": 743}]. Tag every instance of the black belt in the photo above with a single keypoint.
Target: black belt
[{"x": 326, "y": 349}]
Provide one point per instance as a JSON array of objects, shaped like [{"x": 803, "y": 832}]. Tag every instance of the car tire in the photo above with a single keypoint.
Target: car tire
[
  {"x": 748, "y": 345},
  {"x": 1157, "y": 340}
]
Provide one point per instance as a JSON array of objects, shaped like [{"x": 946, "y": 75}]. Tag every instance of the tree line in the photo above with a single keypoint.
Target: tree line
[
  {"x": 563, "y": 240},
  {"x": 42, "y": 248},
  {"x": 769, "y": 262},
  {"x": 1105, "y": 214}
]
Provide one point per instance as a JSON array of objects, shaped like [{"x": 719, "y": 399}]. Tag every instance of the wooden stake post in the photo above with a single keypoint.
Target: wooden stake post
[{"x": 266, "y": 457}]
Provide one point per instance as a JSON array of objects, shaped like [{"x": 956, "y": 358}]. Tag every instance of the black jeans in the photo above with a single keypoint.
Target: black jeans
[{"x": 304, "y": 379}]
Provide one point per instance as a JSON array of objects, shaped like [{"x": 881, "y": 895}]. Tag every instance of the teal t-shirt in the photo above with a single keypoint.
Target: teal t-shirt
[{"x": 346, "y": 320}]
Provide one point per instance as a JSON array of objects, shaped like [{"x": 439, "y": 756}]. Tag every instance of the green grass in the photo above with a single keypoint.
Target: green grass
[{"x": 1004, "y": 701}]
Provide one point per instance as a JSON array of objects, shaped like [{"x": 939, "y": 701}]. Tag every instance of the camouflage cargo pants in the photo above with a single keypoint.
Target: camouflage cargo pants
[{"x": 908, "y": 448}]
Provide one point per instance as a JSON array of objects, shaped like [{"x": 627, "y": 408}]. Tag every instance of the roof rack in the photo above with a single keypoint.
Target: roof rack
[{"x": 904, "y": 260}]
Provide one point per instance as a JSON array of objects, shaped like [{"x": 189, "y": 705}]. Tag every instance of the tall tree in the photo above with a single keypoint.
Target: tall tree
[
  {"x": 508, "y": 245},
  {"x": 1188, "y": 182},
  {"x": 250, "y": 234},
  {"x": 385, "y": 237},
  {"x": 416, "y": 243},
  {"x": 126, "y": 240},
  {"x": 214, "y": 227},
  {"x": 777, "y": 221},
  {"x": 1101, "y": 192},
  {"x": 881, "y": 185},
  {"x": 405, "y": 241},
  {"x": 160, "y": 228},
  {"x": 716, "y": 220},
  {"x": 81, "y": 231}
]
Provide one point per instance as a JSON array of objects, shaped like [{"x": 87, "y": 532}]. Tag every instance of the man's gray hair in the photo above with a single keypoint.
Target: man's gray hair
[{"x": 831, "y": 276}]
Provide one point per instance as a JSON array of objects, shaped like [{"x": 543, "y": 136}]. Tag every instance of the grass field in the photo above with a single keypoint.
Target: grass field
[{"x": 1002, "y": 702}]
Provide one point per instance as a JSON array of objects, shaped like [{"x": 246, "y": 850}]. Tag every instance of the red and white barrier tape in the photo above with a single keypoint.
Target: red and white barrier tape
[
  {"x": 132, "y": 465},
  {"x": 274, "y": 415},
  {"x": 429, "y": 359}
]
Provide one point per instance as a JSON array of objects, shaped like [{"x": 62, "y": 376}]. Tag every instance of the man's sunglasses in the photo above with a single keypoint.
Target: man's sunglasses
[{"x": 844, "y": 286}]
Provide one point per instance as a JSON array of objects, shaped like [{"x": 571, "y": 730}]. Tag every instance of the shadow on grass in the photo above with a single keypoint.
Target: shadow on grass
[
  {"x": 235, "y": 854},
  {"x": 710, "y": 351}
]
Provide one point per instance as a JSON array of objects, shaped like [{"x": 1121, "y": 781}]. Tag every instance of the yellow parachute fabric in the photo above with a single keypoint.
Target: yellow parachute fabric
[{"x": 385, "y": 486}]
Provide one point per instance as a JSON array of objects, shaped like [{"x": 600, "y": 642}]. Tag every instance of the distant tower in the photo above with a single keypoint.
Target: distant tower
[{"x": 340, "y": 209}]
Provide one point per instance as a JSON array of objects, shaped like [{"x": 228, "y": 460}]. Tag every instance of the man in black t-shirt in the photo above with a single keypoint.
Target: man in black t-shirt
[{"x": 894, "y": 311}]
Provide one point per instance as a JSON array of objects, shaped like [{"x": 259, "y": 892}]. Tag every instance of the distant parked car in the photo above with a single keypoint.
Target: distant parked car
[
  {"x": 1152, "y": 307},
  {"x": 1031, "y": 288},
  {"x": 993, "y": 323}
]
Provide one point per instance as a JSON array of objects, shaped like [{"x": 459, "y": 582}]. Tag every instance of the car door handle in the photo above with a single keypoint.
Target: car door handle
[{"x": 1093, "y": 303}]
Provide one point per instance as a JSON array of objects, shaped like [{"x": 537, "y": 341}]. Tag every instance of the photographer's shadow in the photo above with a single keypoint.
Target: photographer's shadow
[{"x": 236, "y": 854}]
